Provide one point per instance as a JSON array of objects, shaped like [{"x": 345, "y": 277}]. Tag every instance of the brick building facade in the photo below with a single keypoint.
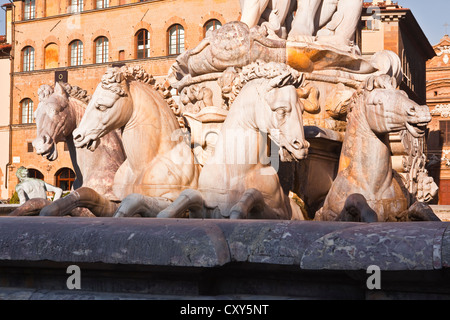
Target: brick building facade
[
  {"x": 84, "y": 38},
  {"x": 386, "y": 25},
  {"x": 438, "y": 99}
]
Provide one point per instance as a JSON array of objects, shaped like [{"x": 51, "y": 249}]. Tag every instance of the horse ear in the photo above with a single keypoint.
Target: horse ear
[
  {"x": 370, "y": 83},
  {"x": 119, "y": 77},
  {"x": 279, "y": 81},
  {"x": 59, "y": 89},
  {"x": 394, "y": 82}
]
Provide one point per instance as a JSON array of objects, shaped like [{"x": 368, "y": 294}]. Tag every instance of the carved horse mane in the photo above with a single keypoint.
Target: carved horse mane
[
  {"x": 261, "y": 70},
  {"x": 113, "y": 77},
  {"x": 374, "y": 82},
  {"x": 76, "y": 92}
]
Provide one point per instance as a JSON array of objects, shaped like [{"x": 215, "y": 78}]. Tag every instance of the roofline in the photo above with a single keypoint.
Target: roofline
[{"x": 413, "y": 26}]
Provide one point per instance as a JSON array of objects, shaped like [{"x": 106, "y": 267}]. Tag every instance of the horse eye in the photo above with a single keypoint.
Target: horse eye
[
  {"x": 101, "y": 107},
  {"x": 281, "y": 112},
  {"x": 51, "y": 112}
]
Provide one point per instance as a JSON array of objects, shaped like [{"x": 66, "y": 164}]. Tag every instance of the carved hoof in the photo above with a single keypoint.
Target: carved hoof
[
  {"x": 236, "y": 213},
  {"x": 420, "y": 211},
  {"x": 166, "y": 214},
  {"x": 356, "y": 209}
]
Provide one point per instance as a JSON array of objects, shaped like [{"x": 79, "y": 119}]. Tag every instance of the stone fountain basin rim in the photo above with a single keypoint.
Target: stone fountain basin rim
[{"x": 211, "y": 243}]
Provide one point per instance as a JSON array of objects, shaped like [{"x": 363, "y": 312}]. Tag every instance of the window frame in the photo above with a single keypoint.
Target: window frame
[
  {"x": 69, "y": 180},
  {"x": 146, "y": 42},
  {"x": 104, "y": 4},
  {"x": 28, "y": 116},
  {"x": 29, "y": 10},
  {"x": 178, "y": 48},
  {"x": 105, "y": 53},
  {"x": 36, "y": 174},
  {"x": 444, "y": 132},
  {"x": 79, "y": 53},
  {"x": 214, "y": 21},
  {"x": 28, "y": 58},
  {"x": 76, "y": 6}
]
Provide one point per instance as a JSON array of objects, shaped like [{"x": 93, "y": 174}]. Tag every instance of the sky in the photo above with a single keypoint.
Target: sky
[{"x": 432, "y": 15}]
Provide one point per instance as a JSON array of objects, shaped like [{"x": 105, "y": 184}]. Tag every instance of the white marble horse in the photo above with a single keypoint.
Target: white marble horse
[{"x": 238, "y": 181}]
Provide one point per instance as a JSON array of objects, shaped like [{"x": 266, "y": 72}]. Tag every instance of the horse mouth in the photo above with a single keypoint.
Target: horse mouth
[
  {"x": 87, "y": 142},
  {"x": 293, "y": 151},
  {"x": 417, "y": 130},
  {"x": 93, "y": 144},
  {"x": 51, "y": 154},
  {"x": 289, "y": 155}
]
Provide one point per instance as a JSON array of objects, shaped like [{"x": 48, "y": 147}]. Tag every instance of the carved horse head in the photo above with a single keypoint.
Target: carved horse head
[
  {"x": 110, "y": 107},
  {"x": 54, "y": 120},
  {"x": 269, "y": 93},
  {"x": 389, "y": 110}
]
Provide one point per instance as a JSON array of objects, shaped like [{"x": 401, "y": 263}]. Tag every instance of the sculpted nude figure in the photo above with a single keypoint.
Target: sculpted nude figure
[
  {"x": 31, "y": 188},
  {"x": 275, "y": 12},
  {"x": 332, "y": 20}
]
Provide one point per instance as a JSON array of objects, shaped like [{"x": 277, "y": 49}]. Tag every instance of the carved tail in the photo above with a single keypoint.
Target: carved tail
[
  {"x": 31, "y": 208},
  {"x": 84, "y": 198}
]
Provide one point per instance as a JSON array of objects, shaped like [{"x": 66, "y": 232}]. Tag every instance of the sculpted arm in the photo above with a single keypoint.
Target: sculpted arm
[
  {"x": 21, "y": 194},
  {"x": 252, "y": 11},
  {"x": 58, "y": 191}
]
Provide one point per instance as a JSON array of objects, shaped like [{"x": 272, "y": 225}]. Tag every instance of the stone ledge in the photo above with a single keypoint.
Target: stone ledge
[
  {"x": 214, "y": 243},
  {"x": 162, "y": 259}
]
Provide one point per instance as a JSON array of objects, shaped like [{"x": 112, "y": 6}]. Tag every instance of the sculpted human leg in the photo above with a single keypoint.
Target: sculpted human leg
[
  {"x": 304, "y": 24},
  {"x": 252, "y": 11},
  {"x": 343, "y": 22},
  {"x": 276, "y": 14}
]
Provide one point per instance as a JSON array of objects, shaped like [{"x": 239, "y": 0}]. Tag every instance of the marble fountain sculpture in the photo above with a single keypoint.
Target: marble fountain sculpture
[{"x": 264, "y": 105}]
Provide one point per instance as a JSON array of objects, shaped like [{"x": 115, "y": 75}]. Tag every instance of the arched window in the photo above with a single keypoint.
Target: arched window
[
  {"x": 33, "y": 173},
  {"x": 101, "y": 50},
  {"x": 51, "y": 56},
  {"x": 142, "y": 44},
  {"x": 26, "y": 111},
  {"x": 29, "y": 9},
  {"x": 176, "y": 39},
  {"x": 76, "y": 6},
  {"x": 211, "y": 25},
  {"x": 65, "y": 178},
  {"x": 102, "y": 4},
  {"x": 28, "y": 59},
  {"x": 76, "y": 53}
]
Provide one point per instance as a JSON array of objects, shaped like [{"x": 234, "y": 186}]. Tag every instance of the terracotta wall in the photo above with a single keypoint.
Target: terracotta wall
[{"x": 119, "y": 24}]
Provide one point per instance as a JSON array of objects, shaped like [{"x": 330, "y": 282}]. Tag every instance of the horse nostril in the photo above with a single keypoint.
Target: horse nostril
[
  {"x": 412, "y": 112},
  {"x": 297, "y": 145},
  {"x": 45, "y": 138},
  {"x": 37, "y": 143},
  {"x": 77, "y": 136}
]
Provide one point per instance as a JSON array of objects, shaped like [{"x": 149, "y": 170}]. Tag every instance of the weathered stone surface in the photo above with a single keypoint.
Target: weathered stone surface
[
  {"x": 282, "y": 243},
  {"x": 390, "y": 246},
  {"x": 137, "y": 258},
  {"x": 113, "y": 241},
  {"x": 212, "y": 243},
  {"x": 6, "y": 209}
]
